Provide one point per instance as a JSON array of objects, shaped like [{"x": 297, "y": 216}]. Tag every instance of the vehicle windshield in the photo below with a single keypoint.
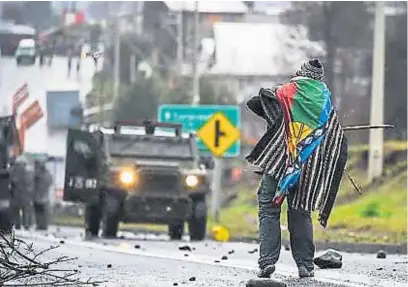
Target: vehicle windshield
[
  {"x": 25, "y": 50},
  {"x": 149, "y": 147}
]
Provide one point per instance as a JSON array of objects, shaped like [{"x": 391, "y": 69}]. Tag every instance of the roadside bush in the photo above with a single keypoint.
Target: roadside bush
[{"x": 371, "y": 210}]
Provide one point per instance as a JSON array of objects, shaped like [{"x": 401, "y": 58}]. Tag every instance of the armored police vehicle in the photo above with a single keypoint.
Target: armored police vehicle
[{"x": 143, "y": 173}]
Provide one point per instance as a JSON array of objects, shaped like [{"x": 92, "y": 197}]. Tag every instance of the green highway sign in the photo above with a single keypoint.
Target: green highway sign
[{"x": 217, "y": 127}]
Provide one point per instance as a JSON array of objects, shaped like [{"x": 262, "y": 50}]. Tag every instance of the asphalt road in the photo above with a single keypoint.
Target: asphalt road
[{"x": 149, "y": 260}]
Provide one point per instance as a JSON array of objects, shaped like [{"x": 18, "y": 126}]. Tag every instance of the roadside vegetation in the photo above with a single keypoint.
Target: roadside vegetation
[{"x": 379, "y": 215}]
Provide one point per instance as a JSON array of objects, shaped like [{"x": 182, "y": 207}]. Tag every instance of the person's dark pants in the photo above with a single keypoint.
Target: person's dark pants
[
  {"x": 93, "y": 214},
  {"x": 299, "y": 225},
  {"x": 41, "y": 215},
  {"x": 22, "y": 214}
]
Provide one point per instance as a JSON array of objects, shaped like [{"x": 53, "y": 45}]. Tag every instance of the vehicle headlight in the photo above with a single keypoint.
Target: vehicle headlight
[
  {"x": 191, "y": 180},
  {"x": 128, "y": 177}
]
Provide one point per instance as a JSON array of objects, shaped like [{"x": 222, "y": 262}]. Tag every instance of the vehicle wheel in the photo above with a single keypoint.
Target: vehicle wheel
[
  {"x": 18, "y": 60},
  {"x": 110, "y": 218},
  {"x": 197, "y": 225},
  {"x": 92, "y": 219},
  {"x": 33, "y": 61},
  {"x": 176, "y": 231}
]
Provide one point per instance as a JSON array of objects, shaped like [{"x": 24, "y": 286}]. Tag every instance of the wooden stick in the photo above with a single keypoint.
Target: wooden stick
[
  {"x": 353, "y": 182},
  {"x": 366, "y": 127}
]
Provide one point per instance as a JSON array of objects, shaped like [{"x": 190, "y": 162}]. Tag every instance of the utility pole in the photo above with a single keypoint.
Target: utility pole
[
  {"x": 196, "y": 75},
  {"x": 139, "y": 31},
  {"x": 180, "y": 47},
  {"x": 375, "y": 168},
  {"x": 116, "y": 60},
  {"x": 217, "y": 172}
]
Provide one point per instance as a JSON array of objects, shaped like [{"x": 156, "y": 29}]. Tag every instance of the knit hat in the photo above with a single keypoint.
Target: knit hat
[{"x": 312, "y": 69}]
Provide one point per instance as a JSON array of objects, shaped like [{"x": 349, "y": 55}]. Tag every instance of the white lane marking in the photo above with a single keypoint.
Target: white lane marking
[{"x": 282, "y": 269}]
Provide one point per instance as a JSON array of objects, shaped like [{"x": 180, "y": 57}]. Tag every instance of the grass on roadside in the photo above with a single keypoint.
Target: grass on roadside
[{"x": 377, "y": 217}]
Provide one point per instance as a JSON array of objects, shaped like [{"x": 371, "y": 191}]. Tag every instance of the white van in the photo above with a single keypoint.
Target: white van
[{"x": 26, "y": 50}]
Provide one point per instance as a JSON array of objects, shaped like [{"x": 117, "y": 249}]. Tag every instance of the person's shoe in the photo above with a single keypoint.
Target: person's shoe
[
  {"x": 304, "y": 273},
  {"x": 266, "y": 272}
]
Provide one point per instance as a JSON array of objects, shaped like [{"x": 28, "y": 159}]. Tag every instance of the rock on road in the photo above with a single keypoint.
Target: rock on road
[{"x": 155, "y": 261}]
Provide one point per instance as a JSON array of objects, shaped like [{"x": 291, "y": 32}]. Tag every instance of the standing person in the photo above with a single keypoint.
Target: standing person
[
  {"x": 79, "y": 55},
  {"x": 41, "y": 51},
  {"x": 51, "y": 48},
  {"x": 22, "y": 194},
  {"x": 69, "y": 57},
  {"x": 42, "y": 184},
  {"x": 95, "y": 57},
  {"x": 301, "y": 157}
]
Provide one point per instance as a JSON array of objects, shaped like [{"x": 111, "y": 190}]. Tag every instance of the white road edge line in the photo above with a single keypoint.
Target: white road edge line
[{"x": 116, "y": 249}]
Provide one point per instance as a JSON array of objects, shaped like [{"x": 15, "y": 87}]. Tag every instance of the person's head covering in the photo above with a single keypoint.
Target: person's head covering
[{"x": 312, "y": 69}]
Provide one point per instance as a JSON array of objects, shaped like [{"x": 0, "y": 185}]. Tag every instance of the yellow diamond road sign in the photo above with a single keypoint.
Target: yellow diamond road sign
[{"x": 218, "y": 134}]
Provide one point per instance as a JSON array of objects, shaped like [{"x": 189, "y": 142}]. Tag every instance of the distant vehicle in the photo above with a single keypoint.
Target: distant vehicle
[
  {"x": 26, "y": 50},
  {"x": 152, "y": 174},
  {"x": 10, "y": 36}
]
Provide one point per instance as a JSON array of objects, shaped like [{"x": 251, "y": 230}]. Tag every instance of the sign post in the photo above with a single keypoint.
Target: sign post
[{"x": 218, "y": 133}]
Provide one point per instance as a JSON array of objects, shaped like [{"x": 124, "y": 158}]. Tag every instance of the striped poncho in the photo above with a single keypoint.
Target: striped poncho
[{"x": 304, "y": 147}]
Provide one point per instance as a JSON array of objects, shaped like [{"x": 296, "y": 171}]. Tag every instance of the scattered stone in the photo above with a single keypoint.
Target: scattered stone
[
  {"x": 58, "y": 229},
  {"x": 122, "y": 237},
  {"x": 331, "y": 259},
  {"x": 265, "y": 283},
  {"x": 104, "y": 243},
  {"x": 206, "y": 245},
  {"x": 231, "y": 252},
  {"x": 79, "y": 266},
  {"x": 185, "y": 248},
  {"x": 62, "y": 241},
  {"x": 137, "y": 246},
  {"x": 192, "y": 279},
  {"x": 109, "y": 266},
  {"x": 380, "y": 268},
  {"x": 186, "y": 255},
  {"x": 217, "y": 261},
  {"x": 194, "y": 248},
  {"x": 287, "y": 247},
  {"x": 224, "y": 258},
  {"x": 381, "y": 254},
  {"x": 394, "y": 270},
  {"x": 253, "y": 251},
  {"x": 175, "y": 284}
]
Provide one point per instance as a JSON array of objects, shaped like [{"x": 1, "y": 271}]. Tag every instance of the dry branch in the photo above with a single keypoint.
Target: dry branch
[{"x": 20, "y": 265}]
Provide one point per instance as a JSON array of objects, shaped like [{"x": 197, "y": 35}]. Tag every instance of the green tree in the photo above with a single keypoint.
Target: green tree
[
  {"x": 395, "y": 110},
  {"x": 335, "y": 24},
  {"x": 138, "y": 101},
  {"x": 179, "y": 91}
]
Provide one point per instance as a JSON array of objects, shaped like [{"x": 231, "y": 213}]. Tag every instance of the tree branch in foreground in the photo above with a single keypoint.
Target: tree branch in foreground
[{"x": 20, "y": 265}]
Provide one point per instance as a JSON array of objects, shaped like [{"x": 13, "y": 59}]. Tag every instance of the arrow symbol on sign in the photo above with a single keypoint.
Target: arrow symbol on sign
[{"x": 218, "y": 133}]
